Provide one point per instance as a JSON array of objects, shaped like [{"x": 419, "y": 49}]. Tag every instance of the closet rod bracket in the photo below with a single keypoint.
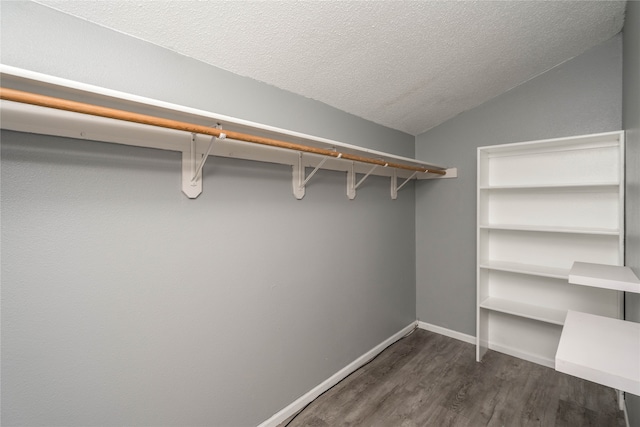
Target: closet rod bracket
[
  {"x": 394, "y": 183},
  {"x": 352, "y": 185},
  {"x": 192, "y": 164},
  {"x": 299, "y": 180}
]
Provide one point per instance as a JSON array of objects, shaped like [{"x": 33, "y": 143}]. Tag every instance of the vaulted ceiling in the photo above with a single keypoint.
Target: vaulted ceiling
[{"x": 408, "y": 65}]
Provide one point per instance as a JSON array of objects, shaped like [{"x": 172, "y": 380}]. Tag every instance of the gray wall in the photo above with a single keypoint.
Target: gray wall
[
  {"x": 125, "y": 303},
  {"x": 578, "y": 97},
  {"x": 631, "y": 122}
]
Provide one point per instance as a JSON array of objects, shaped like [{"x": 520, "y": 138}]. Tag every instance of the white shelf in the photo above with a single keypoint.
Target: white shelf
[
  {"x": 583, "y": 142},
  {"x": 542, "y": 314},
  {"x": 601, "y": 349},
  {"x": 604, "y": 276},
  {"x": 532, "y": 270},
  {"x": 577, "y": 186},
  {"x": 552, "y": 229}
]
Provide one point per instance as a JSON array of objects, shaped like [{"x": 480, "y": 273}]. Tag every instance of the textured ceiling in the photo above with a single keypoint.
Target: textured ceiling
[{"x": 407, "y": 65}]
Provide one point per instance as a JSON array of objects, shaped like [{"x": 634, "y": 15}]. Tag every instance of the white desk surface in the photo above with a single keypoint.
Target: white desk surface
[
  {"x": 604, "y": 276},
  {"x": 601, "y": 349}
]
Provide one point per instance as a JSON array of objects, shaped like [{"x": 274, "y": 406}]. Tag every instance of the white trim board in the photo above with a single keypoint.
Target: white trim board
[
  {"x": 311, "y": 395},
  {"x": 447, "y": 332},
  {"x": 510, "y": 351},
  {"x": 496, "y": 347}
]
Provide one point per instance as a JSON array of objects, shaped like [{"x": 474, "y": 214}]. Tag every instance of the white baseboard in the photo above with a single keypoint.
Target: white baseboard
[
  {"x": 447, "y": 332},
  {"x": 308, "y": 397},
  {"x": 496, "y": 347},
  {"x": 549, "y": 363}
]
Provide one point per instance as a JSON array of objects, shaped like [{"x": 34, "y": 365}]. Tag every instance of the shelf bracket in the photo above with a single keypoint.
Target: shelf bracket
[
  {"x": 299, "y": 180},
  {"x": 352, "y": 186},
  {"x": 394, "y": 183},
  {"x": 192, "y": 166}
]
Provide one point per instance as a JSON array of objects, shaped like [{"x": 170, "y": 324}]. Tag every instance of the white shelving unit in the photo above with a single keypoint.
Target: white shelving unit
[{"x": 541, "y": 206}]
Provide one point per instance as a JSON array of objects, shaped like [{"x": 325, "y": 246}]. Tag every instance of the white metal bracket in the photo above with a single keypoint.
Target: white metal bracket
[
  {"x": 352, "y": 185},
  {"x": 192, "y": 165},
  {"x": 394, "y": 183},
  {"x": 299, "y": 181},
  {"x": 298, "y": 178}
]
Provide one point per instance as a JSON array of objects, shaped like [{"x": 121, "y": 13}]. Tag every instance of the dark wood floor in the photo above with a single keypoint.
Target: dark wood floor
[{"x": 427, "y": 379}]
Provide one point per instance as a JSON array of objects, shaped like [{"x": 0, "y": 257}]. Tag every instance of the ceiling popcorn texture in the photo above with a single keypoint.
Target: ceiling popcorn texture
[{"x": 406, "y": 65}]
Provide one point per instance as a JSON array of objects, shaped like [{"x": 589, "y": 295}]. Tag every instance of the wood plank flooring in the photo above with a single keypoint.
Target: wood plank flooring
[{"x": 427, "y": 379}]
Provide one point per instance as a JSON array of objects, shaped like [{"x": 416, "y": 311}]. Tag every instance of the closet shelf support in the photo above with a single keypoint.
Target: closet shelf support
[
  {"x": 352, "y": 186},
  {"x": 299, "y": 179},
  {"x": 192, "y": 166},
  {"x": 198, "y": 171},
  {"x": 394, "y": 183},
  {"x": 191, "y": 186}
]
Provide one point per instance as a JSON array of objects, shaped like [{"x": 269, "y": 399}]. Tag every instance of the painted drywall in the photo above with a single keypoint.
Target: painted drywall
[
  {"x": 125, "y": 303},
  {"x": 631, "y": 123},
  {"x": 580, "y": 96}
]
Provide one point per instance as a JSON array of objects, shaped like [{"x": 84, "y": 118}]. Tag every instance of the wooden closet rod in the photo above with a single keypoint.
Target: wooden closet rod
[{"x": 112, "y": 113}]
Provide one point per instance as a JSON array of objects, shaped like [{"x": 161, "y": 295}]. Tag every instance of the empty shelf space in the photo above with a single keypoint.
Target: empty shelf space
[
  {"x": 543, "y": 314},
  {"x": 601, "y": 349},
  {"x": 614, "y": 277},
  {"x": 533, "y": 270},
  {"x": 552, "y": 229}
]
